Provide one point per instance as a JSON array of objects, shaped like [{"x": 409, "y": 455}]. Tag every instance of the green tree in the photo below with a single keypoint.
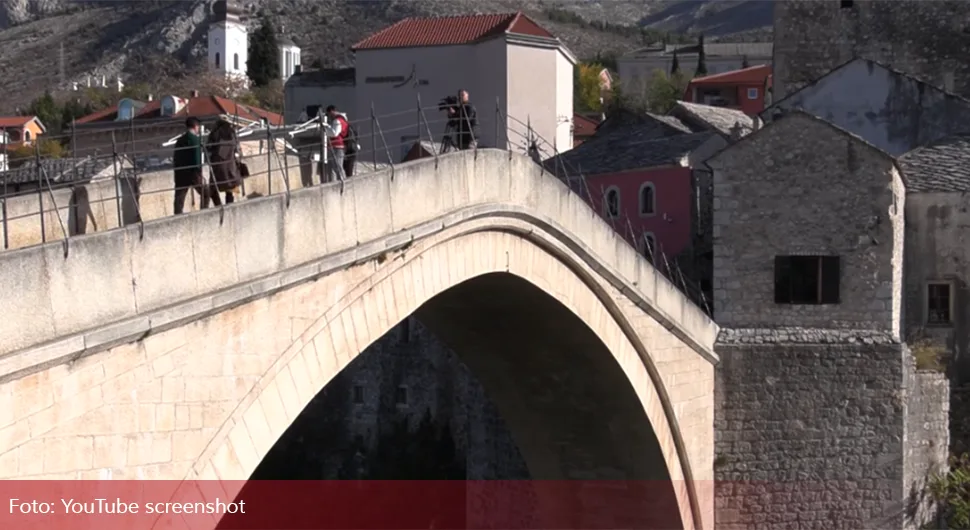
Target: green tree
[
  {"x": 48, "y": 111},
  {"x": 663, "y": 91},
  {"x": 952, "y": 491},
  {"x": 675, "y": 64},
  {"x": 263, "y": 64},
  {"x": 586, "y": 88},
  {"x": 701, "y": 57}
]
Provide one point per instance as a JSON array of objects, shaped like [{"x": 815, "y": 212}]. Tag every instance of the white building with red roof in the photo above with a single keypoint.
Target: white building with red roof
[{"x": 512, "y": 68}]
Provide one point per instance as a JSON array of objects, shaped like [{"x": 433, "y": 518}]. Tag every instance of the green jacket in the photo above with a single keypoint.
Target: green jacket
[{"x": 188, "y": 152}]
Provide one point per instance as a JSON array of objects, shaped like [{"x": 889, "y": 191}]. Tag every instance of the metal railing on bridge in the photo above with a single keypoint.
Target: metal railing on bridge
[{"x": 120, "y": 162}]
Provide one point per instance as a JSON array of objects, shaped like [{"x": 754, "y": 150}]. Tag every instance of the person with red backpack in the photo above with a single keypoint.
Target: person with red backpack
[{"x": 338, "y": 128}]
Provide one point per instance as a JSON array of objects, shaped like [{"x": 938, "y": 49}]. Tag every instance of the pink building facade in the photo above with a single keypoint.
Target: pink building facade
[{"x": 653, "y": 203}]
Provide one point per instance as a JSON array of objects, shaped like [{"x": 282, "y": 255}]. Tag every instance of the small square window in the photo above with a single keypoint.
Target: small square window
[
  {"x": 401, "y": 396},
  {"x": 807, "y": 279},
  {"x": 752, "y": 93},
  {"x": 939, "y": 303},
  {"x": 358, "y": 394}
]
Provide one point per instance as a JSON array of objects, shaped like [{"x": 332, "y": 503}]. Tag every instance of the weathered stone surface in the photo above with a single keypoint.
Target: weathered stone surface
[
  {"x": 801, "y": 186},
  {"x": 926, "y": 39},
  {"x": 825, "y": 436}
]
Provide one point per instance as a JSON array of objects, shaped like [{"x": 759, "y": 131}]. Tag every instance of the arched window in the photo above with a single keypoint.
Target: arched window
[
  {"x": 649, "y": 244},
  {"x": 611, "y": 202},
  {"x": 26, "y": 135},
  {"x": 648, "y": 199},
  {"x": 217, "y": 59},
  {"x": 235, "y": 61}
]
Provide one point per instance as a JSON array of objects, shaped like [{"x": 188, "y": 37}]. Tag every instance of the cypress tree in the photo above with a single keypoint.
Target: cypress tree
[
  {"x": 675, "y": 65},
  {"x": 701, "y": 57},
  {"x": 263, "y": 65}
]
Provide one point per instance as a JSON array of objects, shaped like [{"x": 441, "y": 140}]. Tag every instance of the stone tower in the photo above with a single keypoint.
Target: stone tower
[
  {"x": 924, "y": 39},
  {"x": 228, "y": 39}
]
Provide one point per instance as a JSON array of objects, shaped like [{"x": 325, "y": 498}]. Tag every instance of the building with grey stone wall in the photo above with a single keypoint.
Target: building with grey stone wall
[
  {"x": 802, "y": 187},
  {"x": 927, "y": 39},
  {"x": 821, "y": 418}
]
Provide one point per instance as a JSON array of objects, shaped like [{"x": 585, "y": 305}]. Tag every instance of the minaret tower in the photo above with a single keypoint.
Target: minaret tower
[{"x": 228, "y": 39}]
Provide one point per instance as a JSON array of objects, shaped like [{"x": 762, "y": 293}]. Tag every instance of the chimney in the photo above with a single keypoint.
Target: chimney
[
  {"x": 151, "y": 98},
  {"x": 297, "y": 69},
  {"x": 756, "y": 123},
  {"x": 195, "y": 93},
  {"x": 736, "y": 131}
]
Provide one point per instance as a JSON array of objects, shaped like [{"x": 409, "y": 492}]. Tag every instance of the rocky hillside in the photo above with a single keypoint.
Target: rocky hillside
[{"x": 50, "y": 43}]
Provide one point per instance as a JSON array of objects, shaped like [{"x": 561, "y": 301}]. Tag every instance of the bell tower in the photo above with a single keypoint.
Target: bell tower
[{"x": 228, "y": 38}]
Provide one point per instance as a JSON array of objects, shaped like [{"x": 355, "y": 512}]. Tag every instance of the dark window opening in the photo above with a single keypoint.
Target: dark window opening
[
  {"x": 646, "y": 200},
  {"x": 358, "y": 394},
  {"x": 235, "y": 61},
  {"x": 611, "y": 203},
  {"x": 705, "y": 285},
  {"x": 217, "y": 59},
  {"x": 807, "y": 279},
  {"x": 401, "y": 395},
  {"x": 938, "y": 303},
  {"x": 846, "y": 4},
  {"x": 312, "y": 111}
]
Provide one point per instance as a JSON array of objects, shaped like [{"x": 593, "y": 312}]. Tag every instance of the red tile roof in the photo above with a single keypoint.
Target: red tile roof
[
  {"x": 750, "y": 75},
  {"x": 451, "y": 31},
  {"x": 200, "y": 107},
  {"x": 15, "y": 121},
  {"x": 584, "y": 126}
]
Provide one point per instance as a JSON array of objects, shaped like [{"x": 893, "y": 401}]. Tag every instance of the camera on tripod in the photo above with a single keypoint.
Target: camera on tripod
[{"x": 448, "y": 102}]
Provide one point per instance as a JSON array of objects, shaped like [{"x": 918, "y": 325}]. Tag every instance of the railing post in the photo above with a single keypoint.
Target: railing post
[
  {"x": 3, "y": 203},
  {"x": 323, "y": 144},
  {"x": 40, "y": 190},
  {"x": 498, "y": 119},
  {"x": 269, "y": 161},
  {"x": 114, "y": 172},
  {"x": 373, "y": 134}
]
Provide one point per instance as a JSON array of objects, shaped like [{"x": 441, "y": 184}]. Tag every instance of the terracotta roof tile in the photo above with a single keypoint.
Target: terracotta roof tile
[
  {"x": 753, "y": 74},
  {"x": 450, "y": 31},
  {"x": 584, "y": 126},
  {"x": 15, "y": 121},
  {"x": 201, "y": 107}
]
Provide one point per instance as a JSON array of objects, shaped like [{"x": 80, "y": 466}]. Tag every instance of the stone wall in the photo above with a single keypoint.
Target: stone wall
[
  {"x": 926, "y": 439},
  {"x": 938, "y": 249},
  {"x": 813, "y": 428},
  {"x": 801, "y": 186},
  {"x": 960, "y": 419},
  {"x": 926, "y": 39},
  {"x": 93, "y": 206}
]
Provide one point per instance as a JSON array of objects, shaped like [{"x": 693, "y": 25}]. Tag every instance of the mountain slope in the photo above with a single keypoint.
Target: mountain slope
[{"x": 50, "y": 43}]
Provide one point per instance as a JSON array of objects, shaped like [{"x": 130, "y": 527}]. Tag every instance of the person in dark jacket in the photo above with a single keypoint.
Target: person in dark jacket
[
  {"x": 222, "y": 147},
  {"x": 467, "y": 122},
  {"x": 187, "y": 162}
]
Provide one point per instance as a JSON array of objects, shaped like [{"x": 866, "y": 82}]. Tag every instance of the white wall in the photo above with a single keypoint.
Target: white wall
[
  {"x": 228, "y": 39},
  {"x": 442, "y": 70},
  {"x": 564, "y": 101},
  {"x": 533, "y": 98},
  {"x": 289, "y": 60}
]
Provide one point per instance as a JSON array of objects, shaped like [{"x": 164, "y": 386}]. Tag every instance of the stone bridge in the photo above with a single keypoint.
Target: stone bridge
[{"x": 185, "y": 347}]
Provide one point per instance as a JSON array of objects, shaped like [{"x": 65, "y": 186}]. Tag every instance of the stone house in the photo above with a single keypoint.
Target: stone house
[
  {"x": 892, "y": 110},
  {"x": 816, "y": 389}
]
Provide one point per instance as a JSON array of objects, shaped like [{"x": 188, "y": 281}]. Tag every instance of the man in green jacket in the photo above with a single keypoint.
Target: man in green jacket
[{"x": 187, "y": 161}]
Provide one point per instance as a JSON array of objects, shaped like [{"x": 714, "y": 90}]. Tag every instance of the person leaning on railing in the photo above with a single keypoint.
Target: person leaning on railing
[{"x": 187, "y": 163}]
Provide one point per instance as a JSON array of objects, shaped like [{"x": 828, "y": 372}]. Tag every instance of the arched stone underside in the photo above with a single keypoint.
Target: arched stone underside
[{"x": 405, "y": 281}]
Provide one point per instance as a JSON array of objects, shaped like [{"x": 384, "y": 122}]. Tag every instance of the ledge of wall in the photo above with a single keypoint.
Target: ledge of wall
[{"x": 119, "y": 285}]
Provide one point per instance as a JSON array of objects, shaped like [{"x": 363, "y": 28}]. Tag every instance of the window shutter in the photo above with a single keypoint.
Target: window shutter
[
  {"x": 831, "y": 276},
  {"x": 782, "y": 280}
]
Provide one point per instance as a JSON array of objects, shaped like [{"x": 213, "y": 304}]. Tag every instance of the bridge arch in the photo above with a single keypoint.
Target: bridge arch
[{"x": 476, "y": 254}]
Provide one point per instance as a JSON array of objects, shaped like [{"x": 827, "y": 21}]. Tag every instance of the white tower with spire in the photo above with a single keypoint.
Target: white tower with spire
[
  {"x": 228, "y": 39},
  {"x": 289, "y": 55}
]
